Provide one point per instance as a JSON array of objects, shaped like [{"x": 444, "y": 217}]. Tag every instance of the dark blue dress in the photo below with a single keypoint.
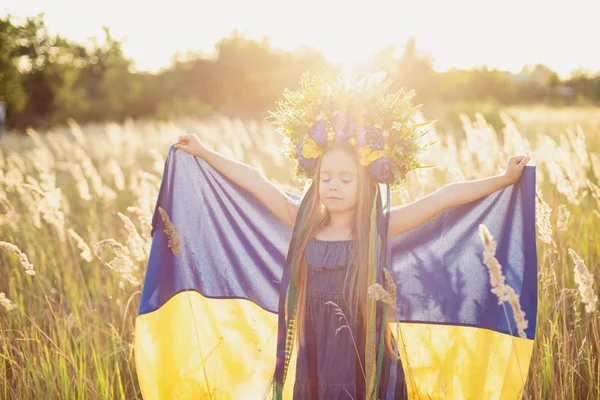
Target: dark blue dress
[{"x": 328, "y": 365}]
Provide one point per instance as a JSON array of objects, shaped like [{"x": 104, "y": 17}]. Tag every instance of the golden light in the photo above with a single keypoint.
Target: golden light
[{"x": 461, "y": 33}]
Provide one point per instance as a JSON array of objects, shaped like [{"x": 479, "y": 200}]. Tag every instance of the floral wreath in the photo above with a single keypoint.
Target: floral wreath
[{"x": 355, "y": 111}]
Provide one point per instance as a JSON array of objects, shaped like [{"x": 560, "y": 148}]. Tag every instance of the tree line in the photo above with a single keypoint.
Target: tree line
[{"x": 45, "y": 79}]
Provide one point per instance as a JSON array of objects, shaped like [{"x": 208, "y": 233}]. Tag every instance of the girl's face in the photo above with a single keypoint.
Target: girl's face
[{"x": 338, "y": 181}]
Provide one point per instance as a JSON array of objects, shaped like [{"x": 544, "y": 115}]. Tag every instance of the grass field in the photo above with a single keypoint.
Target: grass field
[{"x": 75, "y": 209}]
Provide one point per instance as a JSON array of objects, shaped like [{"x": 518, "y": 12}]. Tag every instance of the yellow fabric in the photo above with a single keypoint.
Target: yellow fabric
[
  {"x": 192, "y": 340},
  {"x": 228, "y": 343},
  {"x": 457, "y": 362}
]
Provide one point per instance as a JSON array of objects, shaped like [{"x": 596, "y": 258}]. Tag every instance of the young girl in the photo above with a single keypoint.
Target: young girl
[{"x": 324, "y": 304}]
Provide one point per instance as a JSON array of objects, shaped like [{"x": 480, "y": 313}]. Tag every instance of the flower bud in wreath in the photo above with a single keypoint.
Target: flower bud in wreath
[
  {"x": 382, "y": 170},
  {"x": 318, "y": 132},
  {"x": 343, "y": 125},
  {"x": 307, "y": 163},
  {"x": 371, "y": 137}
]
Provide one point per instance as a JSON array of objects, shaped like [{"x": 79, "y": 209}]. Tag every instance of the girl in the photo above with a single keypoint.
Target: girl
[{"x": 331, "y": 317}]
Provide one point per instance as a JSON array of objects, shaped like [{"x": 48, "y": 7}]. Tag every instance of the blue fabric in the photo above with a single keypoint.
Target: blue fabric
[
  {"x": 233, "y": 247},
  {"x": 239, "y": 243},
  {"x": 437, "y": 267},
  {"x": 439, "y": 271}
]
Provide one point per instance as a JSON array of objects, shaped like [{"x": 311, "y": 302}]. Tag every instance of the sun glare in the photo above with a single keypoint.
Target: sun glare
[{"x": 347, "y": 33}]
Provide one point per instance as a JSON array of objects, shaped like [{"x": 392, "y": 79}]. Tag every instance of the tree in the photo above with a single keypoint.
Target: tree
[
  {"x": 12, "y": 91},
  {"x": 114, "y": 88},
  {"x": 416, "y": 72}
]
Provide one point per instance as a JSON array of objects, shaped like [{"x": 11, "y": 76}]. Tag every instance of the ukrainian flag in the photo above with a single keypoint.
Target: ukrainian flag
[{"x": 207, "y": 320}]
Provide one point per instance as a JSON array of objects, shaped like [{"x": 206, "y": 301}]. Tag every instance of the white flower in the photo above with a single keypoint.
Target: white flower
[{"x": 397, "y": 126}]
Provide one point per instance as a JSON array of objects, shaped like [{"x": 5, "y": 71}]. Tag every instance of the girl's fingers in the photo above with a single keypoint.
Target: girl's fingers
[
  {"x": 519, "y": 161},
  {"x": 524, "y": 161}
]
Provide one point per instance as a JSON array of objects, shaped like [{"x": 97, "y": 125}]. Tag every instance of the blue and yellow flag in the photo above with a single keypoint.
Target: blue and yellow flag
[{"x": 207, "y": 320}]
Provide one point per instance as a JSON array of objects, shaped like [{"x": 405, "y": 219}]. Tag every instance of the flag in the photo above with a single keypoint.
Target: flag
[{"x": 207, "y": 321}]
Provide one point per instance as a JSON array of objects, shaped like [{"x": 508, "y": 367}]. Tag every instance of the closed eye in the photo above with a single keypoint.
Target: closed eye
[{"x": 343, "y": 181}]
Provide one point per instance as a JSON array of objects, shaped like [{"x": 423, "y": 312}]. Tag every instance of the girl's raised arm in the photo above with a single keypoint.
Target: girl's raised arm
[
  {"x": 245, "y": 176},
  {"x": 409, "y": 216}
]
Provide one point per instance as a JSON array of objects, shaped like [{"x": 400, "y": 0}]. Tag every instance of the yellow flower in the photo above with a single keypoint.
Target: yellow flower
[
  {"x": 311, "y": 149},
  {"x": 352, "y": 141},
  {"x": 364, "y": 153},
  {"x": 330, "y": 135},
  {"x": 375, "y": 155}
]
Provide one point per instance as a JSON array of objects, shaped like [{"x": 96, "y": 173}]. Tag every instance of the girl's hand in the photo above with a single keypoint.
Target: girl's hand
[
  {"x": 191, "y": 144},
  {"x": 515, "y": 167}
]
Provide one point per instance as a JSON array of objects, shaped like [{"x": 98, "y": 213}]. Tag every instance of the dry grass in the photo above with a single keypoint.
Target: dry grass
[
  {"x": 69, "y": 198},
  {"x": 504, "y": 292}
]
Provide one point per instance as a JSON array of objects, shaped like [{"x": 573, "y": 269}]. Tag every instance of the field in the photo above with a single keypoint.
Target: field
[{"x": 75, "y": 209}]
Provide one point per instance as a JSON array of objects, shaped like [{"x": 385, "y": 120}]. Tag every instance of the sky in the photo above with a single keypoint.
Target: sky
[{"x": 458, "y": 33}]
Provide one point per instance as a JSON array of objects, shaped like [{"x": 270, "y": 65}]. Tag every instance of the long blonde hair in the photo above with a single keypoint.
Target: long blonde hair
[{"x": 355, "y": 283}]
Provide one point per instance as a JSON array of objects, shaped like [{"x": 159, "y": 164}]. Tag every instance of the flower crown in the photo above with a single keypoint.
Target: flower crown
[{"x": 356, "y": 112}]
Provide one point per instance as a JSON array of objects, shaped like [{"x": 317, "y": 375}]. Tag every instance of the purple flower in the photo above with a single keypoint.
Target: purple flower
[
  {"x": 307, "y": 163},
  {"x": 382, "y": 170},
  {"x": 343, "y": 126},
  {"x": 318, "y": 132},
  {"x": 370, "y": 136}
]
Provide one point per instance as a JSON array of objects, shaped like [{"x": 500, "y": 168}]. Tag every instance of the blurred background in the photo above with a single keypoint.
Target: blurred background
[
  {"x": 110, "y": 60},
  {"x": 93, "y": 94}
]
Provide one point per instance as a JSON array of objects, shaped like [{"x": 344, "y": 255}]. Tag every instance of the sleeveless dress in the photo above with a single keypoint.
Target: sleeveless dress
[{"x": 328, "y": 366}]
